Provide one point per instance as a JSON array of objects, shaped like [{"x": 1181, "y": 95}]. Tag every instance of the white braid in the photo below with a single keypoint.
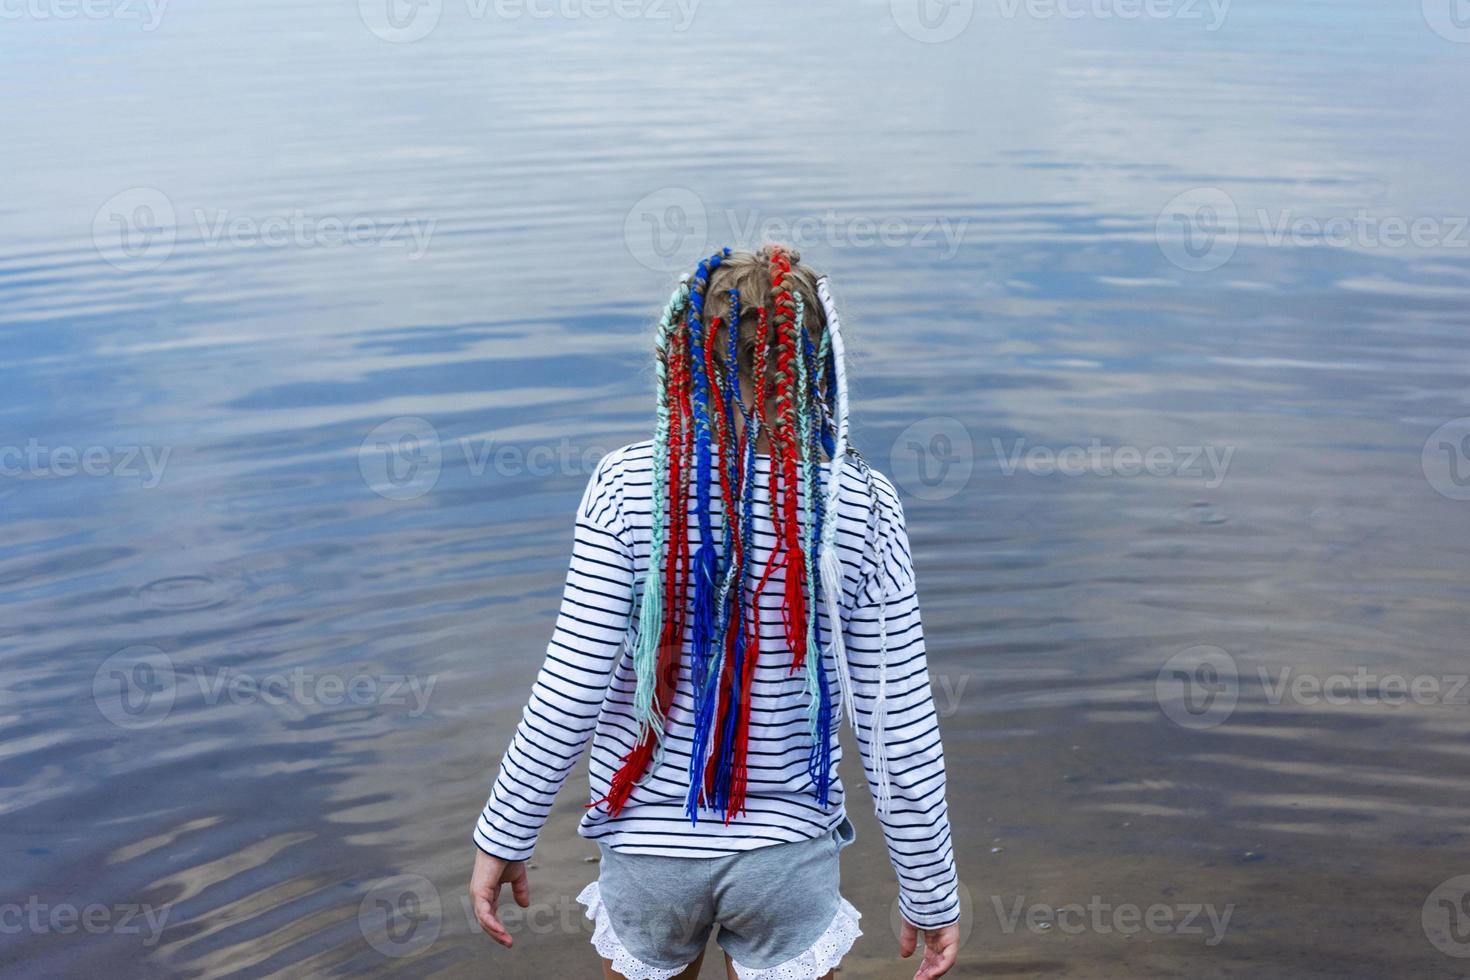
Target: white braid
[{"x": 831, "y": 570}]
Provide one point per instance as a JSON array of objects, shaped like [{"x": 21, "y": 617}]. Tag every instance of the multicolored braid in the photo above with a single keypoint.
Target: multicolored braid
[
  {"x": 785, "y": 453},
  {"x": 702, "y": 592},
  {"x": 739, "y": 694},
  {"x": 819, "y": 702},
  {"x": 729, "y": 602},
  {"x": 719, "y": 776}
]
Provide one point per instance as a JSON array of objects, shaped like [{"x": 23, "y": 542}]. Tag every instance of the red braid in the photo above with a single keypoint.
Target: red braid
[{"x": 739, "y": 774}]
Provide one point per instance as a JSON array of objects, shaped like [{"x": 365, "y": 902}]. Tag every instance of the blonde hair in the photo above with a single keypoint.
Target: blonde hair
[{"x": 750, "y": 273}]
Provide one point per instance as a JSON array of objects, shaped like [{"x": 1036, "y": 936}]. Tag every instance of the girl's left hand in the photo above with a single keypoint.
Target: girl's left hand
[
  {"x": 941, "y": 945},
  {"x": 489, "y": 874}
]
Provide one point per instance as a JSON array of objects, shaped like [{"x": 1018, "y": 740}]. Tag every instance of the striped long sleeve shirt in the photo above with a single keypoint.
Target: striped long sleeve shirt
[{"x": 584, "y": 692}]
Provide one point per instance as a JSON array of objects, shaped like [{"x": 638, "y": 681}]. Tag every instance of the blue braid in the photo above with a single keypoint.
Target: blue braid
[
  {"x": 705, "y": 560},
  {"x": 728, "y": 602}
]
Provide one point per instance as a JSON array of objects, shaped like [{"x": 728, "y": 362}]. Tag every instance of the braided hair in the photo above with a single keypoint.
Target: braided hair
[{"x": 764, "y": 321}]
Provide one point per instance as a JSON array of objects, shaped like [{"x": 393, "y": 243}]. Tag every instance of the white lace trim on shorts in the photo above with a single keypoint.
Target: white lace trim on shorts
[
  {"x": 810, "y": 964},
  {"x": 820, "y": 957}
]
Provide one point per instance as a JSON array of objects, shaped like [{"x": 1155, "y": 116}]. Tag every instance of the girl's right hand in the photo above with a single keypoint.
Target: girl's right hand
[
  {"x": 489, "y": 874},
  {"x": 940, "y": 948}
]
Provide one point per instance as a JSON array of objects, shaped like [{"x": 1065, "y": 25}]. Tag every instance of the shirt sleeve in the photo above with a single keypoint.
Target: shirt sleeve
[
  {"x": 916, "y": 822},
  {"x": 561, "y": 715}
]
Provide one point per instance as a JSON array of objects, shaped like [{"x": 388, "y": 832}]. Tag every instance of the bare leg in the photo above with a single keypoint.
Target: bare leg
[
  {"x": 731, "y": 975},
  {"x": 691, "y": 972}
]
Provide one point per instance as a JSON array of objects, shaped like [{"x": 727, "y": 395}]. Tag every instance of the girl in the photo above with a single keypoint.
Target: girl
[{"x": 737, "y": 584}]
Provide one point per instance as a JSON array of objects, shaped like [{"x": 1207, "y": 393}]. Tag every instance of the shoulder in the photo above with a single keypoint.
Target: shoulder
[
  {"x": 613, "y": 473},
  {"x": 887, "y": 563},
  {"x": 614, "y": 468}
]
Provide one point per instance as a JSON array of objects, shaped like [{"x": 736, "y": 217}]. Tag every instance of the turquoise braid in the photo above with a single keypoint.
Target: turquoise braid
[{"x": 651, "y": 613}]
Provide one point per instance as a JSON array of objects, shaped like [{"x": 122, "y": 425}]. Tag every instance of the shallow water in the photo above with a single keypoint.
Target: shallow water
[{"x": 313, "y": 337}]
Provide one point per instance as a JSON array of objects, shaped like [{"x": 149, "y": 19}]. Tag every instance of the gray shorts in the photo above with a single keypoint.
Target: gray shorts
[{"x": 778, "y": 908}]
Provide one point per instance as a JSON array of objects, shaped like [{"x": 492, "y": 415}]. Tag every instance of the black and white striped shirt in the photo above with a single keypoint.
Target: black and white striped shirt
[{"x": 585, "y": 691}]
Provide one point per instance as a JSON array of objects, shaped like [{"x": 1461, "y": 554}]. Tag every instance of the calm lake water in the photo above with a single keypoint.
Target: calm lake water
[{"x": 317, "y": 316}]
